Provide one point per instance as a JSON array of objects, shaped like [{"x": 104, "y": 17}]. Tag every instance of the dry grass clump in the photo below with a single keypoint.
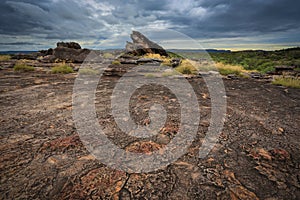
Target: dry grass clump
[
  {"x": 226, "y": 69},
  {"x": 5, "y": 57},
  {"x": 287, "y": 81},
  {"x": 166, "y": 60},
  {"x": 108, "y": 56},
  {"x": 186, "y": 67},
  {"x": 88, "y": 71},
  {"x": 22, "y": 66},
  {"x": 116, "y": 62},
  {"x": 62, "y": 68}
]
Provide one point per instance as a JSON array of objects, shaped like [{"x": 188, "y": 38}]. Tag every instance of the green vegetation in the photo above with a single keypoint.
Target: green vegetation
[
  {"x": 174, "y": 55},
  {"x": 149, "y": 75},
  {"x": 262, "y": 61},
  {"x": 186, "y": 67},
  {"x": 62, "y": 69},
  {"x": 170, "y": 73},
  {"x": 288, "y": 82},
  {"x": 116, "y": 62},
  {"x": 226, "y": 69},
  {"x": 5, "y": 57},
  {"x": 166, "y": 60},
  {"x": 88, "y": 71},
  {"x": 237, "y": 63},
  {"x": 108, "y": 55},
  {"x": 22, "y": 66}
]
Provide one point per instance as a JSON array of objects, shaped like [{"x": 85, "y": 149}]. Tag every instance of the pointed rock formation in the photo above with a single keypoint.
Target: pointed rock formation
[{"x": 141, "y": 45}]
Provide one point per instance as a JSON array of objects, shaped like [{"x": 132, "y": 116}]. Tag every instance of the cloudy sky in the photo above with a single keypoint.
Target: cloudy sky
[{"x": 221, "y": 24}]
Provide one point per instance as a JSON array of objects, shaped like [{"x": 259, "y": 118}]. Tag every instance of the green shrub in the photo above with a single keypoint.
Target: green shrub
[
  {"x": 288, "y": 82},
  {"x": 267, "y": 69},
  {"x": 62, "y": 69},
  {"x": 23, "y": 67}
]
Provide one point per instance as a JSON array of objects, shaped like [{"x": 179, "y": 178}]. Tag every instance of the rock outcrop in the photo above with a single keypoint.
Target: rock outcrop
[
  {"x": 141, "y": 45},
  {"x": 65, "y": 51},
  {"x": 71, "y": 45}
]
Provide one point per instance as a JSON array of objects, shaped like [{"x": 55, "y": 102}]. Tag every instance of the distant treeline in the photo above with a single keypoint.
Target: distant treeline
[
  {"x": 16, "y": 52},
  {"x": 263, "y": 61}
]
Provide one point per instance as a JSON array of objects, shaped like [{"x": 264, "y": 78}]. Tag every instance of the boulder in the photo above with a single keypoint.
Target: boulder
[
  {"x": 128, "y": 61},
  {"x": 141, "y": 45},
  {"x": 65, "y": 51},
  {"x": 71, "y": 54},
  {"x": 175, "y": 62},
  {"x": 46, "y": 52}
]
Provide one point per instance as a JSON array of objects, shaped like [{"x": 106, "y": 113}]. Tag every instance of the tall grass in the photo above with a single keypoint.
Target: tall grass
[
  {"x": 5, "y": 57},
  {"x": 288, "y": 82},
  {"x": 226, "y": 69},
  {"x": 166, "y": 60},
  {"x": 22, "y": 66},
  {"x": 186, "y": 67},
  {"x": 62, "y": 68}
]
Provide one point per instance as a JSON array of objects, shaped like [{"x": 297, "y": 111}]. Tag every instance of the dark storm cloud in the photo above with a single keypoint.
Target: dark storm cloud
[
  {"x": 98, "y": 20},
  {"x": 238, "y": 18},
  {"x": 63, "y": 19},
  {"x": 19, "y": 43}
]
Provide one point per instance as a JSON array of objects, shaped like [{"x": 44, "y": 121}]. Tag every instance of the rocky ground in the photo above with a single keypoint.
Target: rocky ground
[{"x": 42, "y": 157}]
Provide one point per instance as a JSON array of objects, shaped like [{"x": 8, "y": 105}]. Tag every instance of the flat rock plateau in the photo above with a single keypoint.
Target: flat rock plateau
[{"x": 42, "y": 157}]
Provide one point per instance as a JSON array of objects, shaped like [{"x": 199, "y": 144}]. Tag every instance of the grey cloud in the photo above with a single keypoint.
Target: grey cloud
[{"x": 98, "y": 20}]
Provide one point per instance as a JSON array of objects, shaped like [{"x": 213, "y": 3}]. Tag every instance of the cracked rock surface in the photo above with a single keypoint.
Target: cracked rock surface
[{"x": 42, "y": 156}]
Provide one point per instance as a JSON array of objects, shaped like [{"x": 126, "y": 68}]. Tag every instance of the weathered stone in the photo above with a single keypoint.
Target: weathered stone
[
  {"x": 142, "y": 45},
  {"x": 149, "y": 60},
  {"x": 128, "y": 61},
  {"x": 46, "y": 52},
  {"x": 70, "y": 45},
  {"x": 175, "y": 62},
  {"x": 232, "y": 76},
  {"x": 71, "y": 55},
  {"x": 256, "y": 75}
]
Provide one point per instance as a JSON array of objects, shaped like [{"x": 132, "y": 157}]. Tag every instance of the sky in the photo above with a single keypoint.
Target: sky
[{"x": 107, "y": 24}]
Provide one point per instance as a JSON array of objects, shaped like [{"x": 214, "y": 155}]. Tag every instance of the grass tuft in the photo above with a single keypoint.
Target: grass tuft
[
  {"x": 88, "y": 71},
  {"x": 288, "y": 82},
  {"x": 108, "y": 56},
  {"x": 186, "y": 67},
  {"x": 5, "y": 57},
  {"x": 149, "y": 75},
  {"x": 116, "y": 62},
  {"x": 170, "y": 73},
  {"x": 62, "y": 69},
  {"x": 226, "y": 69},
  {"x": 22, "y": 66},
  {"x": 166, "y": 60}
]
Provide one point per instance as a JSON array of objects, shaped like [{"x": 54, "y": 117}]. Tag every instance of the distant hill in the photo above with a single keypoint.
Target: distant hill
[{"x": 199, "y": 50}]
